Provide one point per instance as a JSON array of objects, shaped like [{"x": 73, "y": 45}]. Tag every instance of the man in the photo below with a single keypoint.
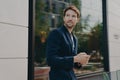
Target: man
[{"x": 61, "y": 48}]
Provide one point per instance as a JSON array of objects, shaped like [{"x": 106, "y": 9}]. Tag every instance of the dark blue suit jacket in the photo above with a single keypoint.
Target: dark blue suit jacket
[{"x": 60, "y": 54}]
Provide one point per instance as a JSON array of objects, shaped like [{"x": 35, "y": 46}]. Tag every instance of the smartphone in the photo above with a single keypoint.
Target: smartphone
[{"x": 93, "y": 52}]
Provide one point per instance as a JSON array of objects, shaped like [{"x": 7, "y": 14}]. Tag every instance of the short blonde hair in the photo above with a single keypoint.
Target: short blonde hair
[{"x": 74, "y": 8}]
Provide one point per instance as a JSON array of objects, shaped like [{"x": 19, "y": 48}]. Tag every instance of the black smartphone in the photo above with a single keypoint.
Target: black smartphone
[{"x": 93, "y": 52}]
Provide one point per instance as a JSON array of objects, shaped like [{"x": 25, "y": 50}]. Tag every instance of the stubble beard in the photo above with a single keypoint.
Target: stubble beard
[{"x": 69, "y": 25}]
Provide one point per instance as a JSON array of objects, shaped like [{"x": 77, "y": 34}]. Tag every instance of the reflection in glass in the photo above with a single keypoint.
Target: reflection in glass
[{"x": 89, "y": 32}]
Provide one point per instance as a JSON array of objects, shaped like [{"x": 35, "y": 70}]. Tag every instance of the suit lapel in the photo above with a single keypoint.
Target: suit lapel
[
  {"x": 69, "y": 39},
  {"x": 67, "y": 34}
]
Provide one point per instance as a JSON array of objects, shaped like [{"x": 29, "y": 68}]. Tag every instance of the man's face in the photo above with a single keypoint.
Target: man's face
[{"x": 70, "y": 19}]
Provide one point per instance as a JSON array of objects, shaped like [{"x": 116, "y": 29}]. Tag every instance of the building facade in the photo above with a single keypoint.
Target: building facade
[{"x": 14, "y": 36}]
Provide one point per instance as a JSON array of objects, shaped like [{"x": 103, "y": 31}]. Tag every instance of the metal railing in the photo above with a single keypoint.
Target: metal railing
[{"x": 114, "y": 75}]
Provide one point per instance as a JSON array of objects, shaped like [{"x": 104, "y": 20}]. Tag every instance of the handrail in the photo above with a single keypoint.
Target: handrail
[
  {"x": 92, "y": 74},
  {"x": 113, "y": 75}
]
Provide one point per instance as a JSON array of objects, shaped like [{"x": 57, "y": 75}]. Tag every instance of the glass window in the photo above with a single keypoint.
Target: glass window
[{"x": 89, "y": 32}]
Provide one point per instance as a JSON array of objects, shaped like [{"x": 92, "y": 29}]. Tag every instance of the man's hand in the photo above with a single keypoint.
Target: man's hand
[{"x": 82, "y": 58}]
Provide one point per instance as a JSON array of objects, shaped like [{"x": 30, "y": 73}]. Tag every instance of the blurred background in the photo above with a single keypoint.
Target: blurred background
[{"x": 89, "y": 30}]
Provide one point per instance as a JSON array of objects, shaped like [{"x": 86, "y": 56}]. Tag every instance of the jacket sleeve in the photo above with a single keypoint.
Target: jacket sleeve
[{"x": 53, "y": 50}]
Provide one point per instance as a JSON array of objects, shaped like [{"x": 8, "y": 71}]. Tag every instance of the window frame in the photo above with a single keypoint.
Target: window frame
[{"x": 31, "y": 36}]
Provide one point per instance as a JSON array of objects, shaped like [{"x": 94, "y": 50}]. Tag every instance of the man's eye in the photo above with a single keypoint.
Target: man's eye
[
  {"x": 67, "y": 15},
  {"x": 74, "y": 16}
]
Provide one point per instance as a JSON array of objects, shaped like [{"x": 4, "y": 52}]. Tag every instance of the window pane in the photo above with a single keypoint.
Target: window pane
[{"x": 89, "y": 31}]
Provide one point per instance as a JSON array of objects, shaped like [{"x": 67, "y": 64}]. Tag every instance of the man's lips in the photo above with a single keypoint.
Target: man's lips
[{"x": 69, "y": 22}]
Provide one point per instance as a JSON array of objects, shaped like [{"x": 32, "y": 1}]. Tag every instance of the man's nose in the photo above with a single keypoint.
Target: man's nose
[{"x": 70, "y": 17}]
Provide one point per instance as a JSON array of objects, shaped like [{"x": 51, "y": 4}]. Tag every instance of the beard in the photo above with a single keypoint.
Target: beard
[{"x": 69, "y": 24}]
